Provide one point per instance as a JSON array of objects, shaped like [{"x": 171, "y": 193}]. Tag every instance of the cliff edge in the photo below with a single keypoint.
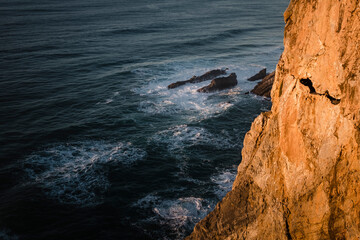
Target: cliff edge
[{"x": 300, "y": 173}]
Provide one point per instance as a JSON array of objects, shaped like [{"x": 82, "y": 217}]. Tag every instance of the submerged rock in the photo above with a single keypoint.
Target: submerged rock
[
  {"x": 220, "y": 83},
  {"x": 206, "y": 76},
  {"x": 264, "y": 87},
  {"x": 258, "y": 76}
]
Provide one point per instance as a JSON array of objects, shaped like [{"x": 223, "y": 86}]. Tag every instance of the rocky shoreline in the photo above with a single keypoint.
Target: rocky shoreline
[
  {"x": 263, "y": 88},
  {"x": 196, "y": 79},
  {"x": 299, "y": 177}
]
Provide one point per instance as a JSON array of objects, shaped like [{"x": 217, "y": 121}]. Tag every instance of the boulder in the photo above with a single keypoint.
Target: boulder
[
  {"x": 220, "y": 83},
  {"x": 206, "y": 76},
  {"x": 264, "y": 87},
  {"x": 258, "y": 76}
]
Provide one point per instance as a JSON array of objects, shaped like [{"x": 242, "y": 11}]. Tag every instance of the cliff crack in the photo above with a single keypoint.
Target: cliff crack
[
  {"x": 287, "y": 229},
  {"x": 286, "y": 220},
  {"x": 337, "y": 215},
  {"x": 308, "y": 83}
]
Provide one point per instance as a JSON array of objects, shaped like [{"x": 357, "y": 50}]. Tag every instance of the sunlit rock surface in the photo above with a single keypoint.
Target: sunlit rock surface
[{"x": 300, "y": 173}]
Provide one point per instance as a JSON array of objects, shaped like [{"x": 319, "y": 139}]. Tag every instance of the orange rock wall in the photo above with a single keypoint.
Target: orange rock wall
[{"x": 300, "y": 173}]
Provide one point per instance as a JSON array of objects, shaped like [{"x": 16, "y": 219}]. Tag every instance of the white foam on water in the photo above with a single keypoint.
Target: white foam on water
[
  {"x": 110, "y": 99},
  {"x": 180, "y": 215},
  {"x": 184, "y": 99},
  {"x": 7, "y": 235},
  {"x": 180, "y": 137},
  {"x": 147, "y": 201},
  {"x": 183, "y": 212},
  {"x": 224, "y": 182},
  {"x": 76, "y": 173}
]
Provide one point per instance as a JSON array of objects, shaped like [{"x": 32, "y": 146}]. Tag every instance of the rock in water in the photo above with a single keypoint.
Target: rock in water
[
  {"x": 264, "y": 87},
  {"x": 299, "y": 177},
  {"x": 206, "y": 76},
  {"x": 220, "y": 83},
  {"x": 258, "y": 76}
]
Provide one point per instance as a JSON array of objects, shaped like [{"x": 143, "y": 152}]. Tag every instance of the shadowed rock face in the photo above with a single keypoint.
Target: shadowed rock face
[
  {"x": 258, "y": 76},
  {"x": 300, "y": 172},
  {"x": 206, "y": 76},
  {"x": 264, "y": 87},
  {"x": 220, "y": 84}
]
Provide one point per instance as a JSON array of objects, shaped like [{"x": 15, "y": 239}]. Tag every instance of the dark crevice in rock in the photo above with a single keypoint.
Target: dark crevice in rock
[
  {"x": 337, "y": 216},
  {"x": 341, "y": 18},
  {"x": 288, "y": 235},
  {"x": 333, "y": 100},
  {"x": 286, "y": 220},
  {"x": 308, "y": 83}
]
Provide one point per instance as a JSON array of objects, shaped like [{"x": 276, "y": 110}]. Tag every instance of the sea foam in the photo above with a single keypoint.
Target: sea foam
[
  {"x": 224, "y": 182},
  {"x": 76, "y": 173},
  {"x": 178, "y": 215},
  {"x": 180, "y": 137},
  {"x": 185, "y": 100}
]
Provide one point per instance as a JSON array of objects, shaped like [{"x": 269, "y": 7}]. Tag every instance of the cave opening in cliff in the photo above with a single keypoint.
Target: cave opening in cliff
[{"x": 308, "y": 83}]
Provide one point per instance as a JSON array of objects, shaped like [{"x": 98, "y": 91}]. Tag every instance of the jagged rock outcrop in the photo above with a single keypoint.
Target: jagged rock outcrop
[
  {"x": 300, "y": 173},
  {"x": 259, "y": 75},
  {"x": 206, "y": 76},
  {"x": 220, "y": 84},
  {"x": 264, "y": 87}
]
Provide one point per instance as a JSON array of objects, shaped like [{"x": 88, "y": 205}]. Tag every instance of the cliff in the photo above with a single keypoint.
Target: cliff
[{"x": 300, "y": 173}]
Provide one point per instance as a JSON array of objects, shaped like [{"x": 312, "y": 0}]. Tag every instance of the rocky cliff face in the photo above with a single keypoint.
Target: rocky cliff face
[{"x": 300, "y": 173}]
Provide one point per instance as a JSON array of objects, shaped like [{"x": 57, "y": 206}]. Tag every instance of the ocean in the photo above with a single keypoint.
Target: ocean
[{"x": 92, "y": 143}]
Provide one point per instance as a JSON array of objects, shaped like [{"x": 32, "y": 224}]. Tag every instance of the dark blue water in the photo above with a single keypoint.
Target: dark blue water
[{"x": 93, "y": 145}]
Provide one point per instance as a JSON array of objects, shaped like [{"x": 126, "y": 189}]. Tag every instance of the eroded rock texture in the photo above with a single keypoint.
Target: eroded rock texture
[
  {"x": 219, "y": 84},
  {"x": 206, "y": 76},
  {"x": 300, "y": 173},
  {"x": 264, "y": 87},
  {"x": 259, "y": 75}
]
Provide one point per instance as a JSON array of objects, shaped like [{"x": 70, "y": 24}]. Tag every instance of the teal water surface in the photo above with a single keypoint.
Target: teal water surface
[{"x": 93, "y": 144}]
